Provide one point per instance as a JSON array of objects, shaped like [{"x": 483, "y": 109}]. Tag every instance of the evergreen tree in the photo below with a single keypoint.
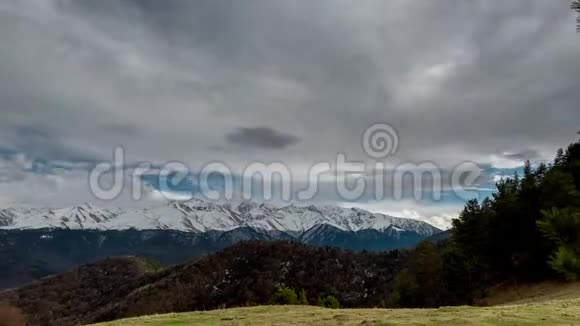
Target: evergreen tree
[
  {"x": 421, "y": 283},
  {"x": 285, "y": 296},
  {"x": 528, "y": 230},
  {"x": 562, "y": 228},
  {"x": 329, "y": 301}
]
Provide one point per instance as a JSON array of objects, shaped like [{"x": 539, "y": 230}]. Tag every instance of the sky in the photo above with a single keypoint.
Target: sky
[{"x": 238, "y": 82}]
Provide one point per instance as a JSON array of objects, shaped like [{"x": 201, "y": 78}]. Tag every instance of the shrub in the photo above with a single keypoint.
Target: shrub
[
  {"x": 329, "y": 301},
  {"x": 302, "y": 298},
  {"x": 152, "y": 265},
  {"x": 285, "y": 296},
  {"x": 566, "y": 262},
  {"x": 11, "y": 316}
]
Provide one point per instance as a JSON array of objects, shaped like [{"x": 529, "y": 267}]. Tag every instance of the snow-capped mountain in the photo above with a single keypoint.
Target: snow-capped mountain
[
  {"x": 36, "y": 242},
  {"x": 200, "y": 216}
]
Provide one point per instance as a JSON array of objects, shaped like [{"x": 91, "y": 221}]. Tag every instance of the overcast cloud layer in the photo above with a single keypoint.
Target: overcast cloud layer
[{"x": 493, "y": 82}]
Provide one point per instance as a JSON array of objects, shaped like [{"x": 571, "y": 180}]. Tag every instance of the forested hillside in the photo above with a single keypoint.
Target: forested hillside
[
  {"x": 249, "y": 273},
  {"x": 528, "y": 231}
]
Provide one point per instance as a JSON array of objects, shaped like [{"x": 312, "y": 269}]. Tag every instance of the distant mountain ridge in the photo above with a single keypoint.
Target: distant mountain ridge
[
  {"x": 200, "y": 216},
  {"x": 36, "y": 242}
]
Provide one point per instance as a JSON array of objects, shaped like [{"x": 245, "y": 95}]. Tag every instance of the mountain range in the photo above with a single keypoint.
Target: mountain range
[
  {"x": 200, "y": 216},
  {"x": 37, "y": 242}
]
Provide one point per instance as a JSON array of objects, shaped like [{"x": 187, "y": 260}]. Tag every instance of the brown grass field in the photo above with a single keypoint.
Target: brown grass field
[{"x": 541, "y": 304}]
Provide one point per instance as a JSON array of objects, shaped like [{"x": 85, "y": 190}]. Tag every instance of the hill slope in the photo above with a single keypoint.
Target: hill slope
[
  {"x": 510, "y": 294},
  {"x": 61, "y": 299},
  {"x": 564, "y": 312},
  {"x": 248, "y": 273}
]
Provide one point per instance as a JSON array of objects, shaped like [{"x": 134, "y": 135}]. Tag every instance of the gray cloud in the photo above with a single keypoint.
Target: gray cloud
[
  {"x": 42, "y": 142},
  {"x": 261, "y": 137},
  {"x": 121, "y": 129},
  {"x": 524, "y": 155},
  {"x": 166, "y": 79},
  {"x": 180, "y": 73}
]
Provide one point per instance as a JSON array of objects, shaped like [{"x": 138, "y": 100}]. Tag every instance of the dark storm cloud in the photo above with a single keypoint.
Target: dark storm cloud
[
  {"x": 459, "y": 80},
  {"x": 261, "y": 137},
  {"x": 121, "y": 129},
  {"x": 180, "y": 72},
  {"x": 43, "y": 143},
  {"x": 34, "y": 133},
  {"x": 526, "y": 155}
]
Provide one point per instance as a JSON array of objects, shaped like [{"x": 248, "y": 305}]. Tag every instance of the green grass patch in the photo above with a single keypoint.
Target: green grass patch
[{"x": 556, "y": 312}]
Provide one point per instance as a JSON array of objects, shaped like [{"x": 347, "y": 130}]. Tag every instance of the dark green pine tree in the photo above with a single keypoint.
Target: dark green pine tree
[{"x": 562, "y": 227}]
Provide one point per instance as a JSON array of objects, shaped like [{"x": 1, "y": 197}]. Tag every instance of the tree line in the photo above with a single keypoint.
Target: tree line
[{"x": 528, "y": 231}]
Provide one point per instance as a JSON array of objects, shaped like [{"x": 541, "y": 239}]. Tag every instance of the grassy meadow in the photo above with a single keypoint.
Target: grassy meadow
[{"x": 552, "y": 312}]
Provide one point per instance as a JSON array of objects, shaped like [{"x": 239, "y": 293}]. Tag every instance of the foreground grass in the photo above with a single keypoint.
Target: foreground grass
[
  {"x": 531, "y": 293},
  {"x": 558, "y": 312}
]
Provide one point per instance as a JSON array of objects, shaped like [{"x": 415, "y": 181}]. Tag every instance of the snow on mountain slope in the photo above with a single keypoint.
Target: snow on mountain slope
[
  {"x": 7, "y": 216},
  {"x": 201, "y": 216},
  {"x": 77, "y": 217}
]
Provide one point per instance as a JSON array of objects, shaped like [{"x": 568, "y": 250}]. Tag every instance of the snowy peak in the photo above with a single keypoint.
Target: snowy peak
[
  {"x": 84, "y": 216},
  {"x": 201, "y": 216},
  {"x": 7, "y": 216}
]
